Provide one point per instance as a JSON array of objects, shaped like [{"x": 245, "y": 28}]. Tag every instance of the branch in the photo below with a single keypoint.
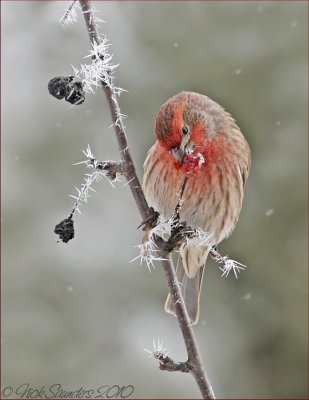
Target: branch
[
  {"x": 194, "y": 362},
  {"x": 194, "y": 359},
  {"x": 114, "y": 108}
]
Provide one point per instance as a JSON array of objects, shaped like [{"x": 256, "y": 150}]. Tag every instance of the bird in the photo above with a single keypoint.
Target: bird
[{"x": 196, "y": 140}]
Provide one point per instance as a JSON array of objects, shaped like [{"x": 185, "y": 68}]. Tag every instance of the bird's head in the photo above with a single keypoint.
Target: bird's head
[{"x": 188, "y": 126}]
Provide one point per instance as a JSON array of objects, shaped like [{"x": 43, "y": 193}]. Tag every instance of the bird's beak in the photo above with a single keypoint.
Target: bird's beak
[
  {"x": 178, "y": 154},
  {"x": 186, "y": 147}
]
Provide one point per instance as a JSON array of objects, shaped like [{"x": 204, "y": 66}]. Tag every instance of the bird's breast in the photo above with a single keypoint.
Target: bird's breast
[{"x": 208, "y": 197}]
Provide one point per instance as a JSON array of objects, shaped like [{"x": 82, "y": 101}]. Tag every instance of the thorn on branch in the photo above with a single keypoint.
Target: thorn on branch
[
  {"x": 65, "y": 87},
  {"x": 65, "y": 229},
  {"x": 167, "y": 364}
]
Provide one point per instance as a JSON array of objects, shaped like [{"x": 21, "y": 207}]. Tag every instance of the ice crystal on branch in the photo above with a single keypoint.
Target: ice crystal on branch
[
  {"x": 84, "y": 192},
  {"x": 158, "y": 348},
  {"x": 228, "y": 264},
  {"x": 204, "y": 239},
  {"x": 198, "y": 238},
  {"x": 164, "y": 228},
  {"x": 147, "y": 254},
  {"x": 160, "y": 353},
  {"x": 192, "y": 237},
  {"x": 101, "y": 69},
  {"x": 148, "y": 249},
  {"x": 70, "y": 15},
  {"x": 100, "y": 73},
  {"x": 99, "y": 170}
]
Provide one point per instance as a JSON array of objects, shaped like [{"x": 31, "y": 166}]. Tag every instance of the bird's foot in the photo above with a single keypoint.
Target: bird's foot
[
  {"x": 151, "y": 219},
  {"x": 180, "y": 232}
]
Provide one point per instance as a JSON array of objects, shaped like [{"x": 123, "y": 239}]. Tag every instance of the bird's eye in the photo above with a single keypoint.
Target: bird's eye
[{"x": 185, "y": 130}]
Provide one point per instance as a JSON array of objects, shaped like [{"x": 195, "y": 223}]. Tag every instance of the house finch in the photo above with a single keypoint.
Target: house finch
[{"x": 197, "y": 139}]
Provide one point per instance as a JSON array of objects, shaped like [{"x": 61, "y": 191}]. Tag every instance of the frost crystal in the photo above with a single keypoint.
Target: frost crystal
[
  {"x": 228, "y": 264},
  {"x": 195, "y": 237},
  {"x": 157, "y": 348},
  {"x": 70, "y": 15},
  {"x": 199, "y": 238},
  {"x": 148, "y": 249},
  {"x": 83, "y": 193},
  {"x": 100, "y": 71},
  {"x": 202, "y": 238},
  {"x": 146, "y": 254}
]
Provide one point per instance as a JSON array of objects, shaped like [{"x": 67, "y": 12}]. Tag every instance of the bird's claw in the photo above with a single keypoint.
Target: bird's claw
[
  {"x": 151, "y": 219},
  {"x": 212, "y": 252},
  {"x": 180, "y": 232}
]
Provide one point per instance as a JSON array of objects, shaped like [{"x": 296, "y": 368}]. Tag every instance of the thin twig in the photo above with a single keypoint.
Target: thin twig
[
  {"x": 180, "y": 201},
  {"x": 194, "y": 362},
  {"x": 167, "y": 364}
]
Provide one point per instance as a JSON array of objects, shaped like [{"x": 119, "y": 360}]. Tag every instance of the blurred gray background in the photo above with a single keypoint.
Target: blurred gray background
[{"x": 79, "y": 314}]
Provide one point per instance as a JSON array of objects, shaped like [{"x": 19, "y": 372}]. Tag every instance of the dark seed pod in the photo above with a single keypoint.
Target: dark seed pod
[
  {"x": 75, "y": 93},
  {"x": 65, "y": 230},
  {"x": 57, "y": 86},
  {"x": 64, "y": 87}
]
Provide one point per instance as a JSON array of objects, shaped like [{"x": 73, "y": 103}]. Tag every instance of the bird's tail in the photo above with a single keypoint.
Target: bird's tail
[{"x": 190, "y": 289}]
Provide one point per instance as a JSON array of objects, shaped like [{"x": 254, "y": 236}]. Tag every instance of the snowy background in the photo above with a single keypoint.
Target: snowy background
[{"x": 79, "y": 314}]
